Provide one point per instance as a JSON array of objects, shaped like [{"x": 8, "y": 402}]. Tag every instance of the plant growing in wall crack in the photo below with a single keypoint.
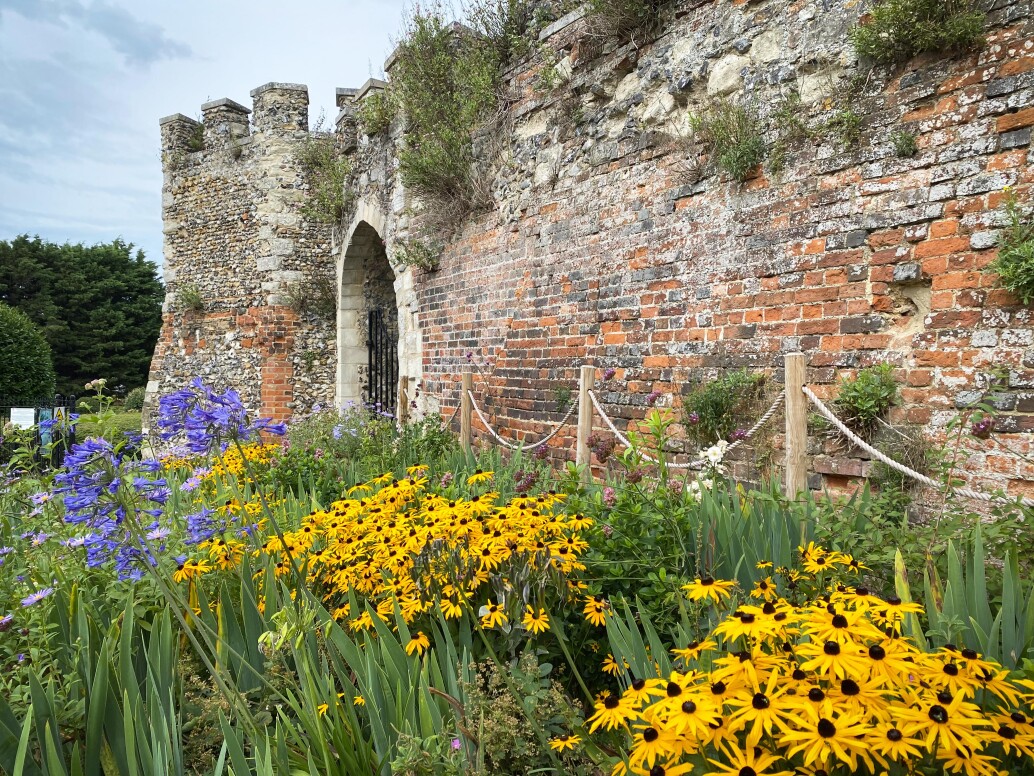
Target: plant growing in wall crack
[
  {"x": 1015, "y": 261},
  {"x": 190, "y": 298},
  {"x": 731, "y": 135},
  {"x": 418, "y": 253},
  {"x": 898, "y": 30},
  {"x": 327, "y": 169}
]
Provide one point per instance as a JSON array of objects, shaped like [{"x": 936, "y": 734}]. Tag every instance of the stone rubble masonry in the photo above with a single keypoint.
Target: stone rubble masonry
[
  {"x": 606, "y": 244},
  {"x": 234, "y": 232}
]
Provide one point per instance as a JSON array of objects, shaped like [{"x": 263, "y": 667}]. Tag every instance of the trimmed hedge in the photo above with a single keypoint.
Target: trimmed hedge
[{"x": 26, "y": 363}]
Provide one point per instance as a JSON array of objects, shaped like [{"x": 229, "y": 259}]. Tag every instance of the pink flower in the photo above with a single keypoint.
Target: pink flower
[
  {"x": 609, "y": 497},
  {"x": 653, "y": 397}
]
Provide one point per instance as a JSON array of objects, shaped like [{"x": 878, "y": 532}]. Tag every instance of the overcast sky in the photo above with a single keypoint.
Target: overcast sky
[{"x": 84, "y": 82}]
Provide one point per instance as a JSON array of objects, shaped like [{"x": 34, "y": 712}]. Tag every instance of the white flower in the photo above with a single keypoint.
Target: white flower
[{"x": 715, "y": 454}]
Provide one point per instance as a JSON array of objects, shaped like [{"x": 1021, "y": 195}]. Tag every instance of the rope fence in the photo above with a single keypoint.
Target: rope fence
[
  {"x": 793, "y": 400},
  {"x": 511, "y": 445},
  {"x": 860, "y": 443}
]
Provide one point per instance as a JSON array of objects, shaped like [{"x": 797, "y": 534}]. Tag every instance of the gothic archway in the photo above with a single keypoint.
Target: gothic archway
[{"x": 368, "y": 322}]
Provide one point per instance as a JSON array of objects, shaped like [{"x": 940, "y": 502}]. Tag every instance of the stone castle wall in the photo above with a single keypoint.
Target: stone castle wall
[
  {"x": 235, "y": 235},
  {"x": 608, "y": 244}
]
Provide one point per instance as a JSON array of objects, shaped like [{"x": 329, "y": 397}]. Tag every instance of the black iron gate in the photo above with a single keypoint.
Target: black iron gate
[{"x": 383, "y": 376}]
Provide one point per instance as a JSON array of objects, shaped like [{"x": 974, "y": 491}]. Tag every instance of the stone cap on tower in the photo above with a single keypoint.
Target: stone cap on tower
[
  {"x": 224, "y": 122},
  {"x": 372, "y": 85},
  {"x": 281, "y": 107},
  {"x": 179, "y": 133}
]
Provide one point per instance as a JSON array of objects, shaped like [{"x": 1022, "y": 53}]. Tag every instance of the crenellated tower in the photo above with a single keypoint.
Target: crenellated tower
[{"x": 251, "y": 279}]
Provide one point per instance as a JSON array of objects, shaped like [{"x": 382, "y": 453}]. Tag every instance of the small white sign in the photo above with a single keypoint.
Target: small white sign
[{"x": 23, "y": 417}]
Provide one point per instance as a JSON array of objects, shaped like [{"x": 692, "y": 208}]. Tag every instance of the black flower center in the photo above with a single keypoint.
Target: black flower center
[
  {"x": 799, "y": 675},
  {"x": 689, "y": 707},
  {"x": 746, "y": 770},
  {"x": 760, "y": 701},
  {"x": 768, "y": 608},
  {"x": 638, "y": 684},
  {"x": 718, "y": 688},
  {"x": 876, "y": 652},
  {"x": 611, "y": 702},
  {"x": 1007, "y": 732},
  {"x": 650, "y": 735},
  {"x": 944, "y": 696},
  {"x": 707, "y": 581},
  {"x": 746, "y": 618},
  {"x": 839, "y": 621},
  {"x": 850, "y": 687},
  {"x": 938, "y": 714},
  {"x": 657, "y": 770},
  {"x": 969, "y": 654},
  {"x": 815, "y": 695},
  {"x": 831, "y": 648},
  {"x": 951, "y": 669},
  {"x": 894, "y": 735},
  {"x": 1018, "y": 718},
  {"x": 826, "y": 728},
  {"x": 779, "y": 616},
  {"x": 674, "y": 690},
  {"x": 894, "y": 600}
]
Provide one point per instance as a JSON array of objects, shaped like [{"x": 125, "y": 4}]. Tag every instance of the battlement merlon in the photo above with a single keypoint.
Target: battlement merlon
[
  {"x": 280, "y": 107},
  {"x": 225, "y": 122},
  {"x": 180, "y": 134}
]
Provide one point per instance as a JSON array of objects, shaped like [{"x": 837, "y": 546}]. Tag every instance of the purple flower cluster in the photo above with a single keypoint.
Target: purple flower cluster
[
  {"x": 602, "y": 447},
  {"x": 525, "y": 481},
  {"x": 208, "y": 419},
  {"x": 101, "y": 489},
  {"x": 653, "y": 397},
  {"x": 982, "y": 428}
]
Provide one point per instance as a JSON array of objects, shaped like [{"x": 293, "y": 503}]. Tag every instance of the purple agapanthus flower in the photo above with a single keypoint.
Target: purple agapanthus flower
[
  {"x": 208, "y": 420},
  {"x": 34, "y": 598}
]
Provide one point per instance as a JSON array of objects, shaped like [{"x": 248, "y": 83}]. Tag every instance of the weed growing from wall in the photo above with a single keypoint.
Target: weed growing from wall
[
  {"x": 898, "y": 30},
  {"x": 731, "y": 136},
  {"x": 864, "y": 400},
  {"x": 789, "y": 120},
  {"x": 376, "y": 112},
  {"x": 905, "y": 145},
  {"x": 1015, "y": 261},
  {"x": 846, "y": 125},
  {"x": 190, "y": 298},
  {"x": 418, "y": 253},
  {"x": 316, "y": 295},
  {"x": 446, "y": 82},
  {"x": 624, "y": 19},
  {"x": 327, "y": 169},
  {"x": 196, "y": 138}
]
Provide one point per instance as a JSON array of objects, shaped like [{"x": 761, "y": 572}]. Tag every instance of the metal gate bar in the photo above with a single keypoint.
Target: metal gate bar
[{"x": 383, "y": 364}]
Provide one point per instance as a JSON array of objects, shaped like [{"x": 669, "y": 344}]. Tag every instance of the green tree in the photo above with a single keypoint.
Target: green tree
[
  {"x": 26, "y": 369},
  {"x": 98, "y": 306}
]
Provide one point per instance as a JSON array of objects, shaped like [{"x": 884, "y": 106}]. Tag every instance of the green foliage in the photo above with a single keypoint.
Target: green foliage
[
  {"x": 135, "y": 399},
  {"x": 376, "y": 112},
  {"x": 196, "y": 138},
  {"x": 904, "y": 144},
  {"x": 446, "y": 82},
  {"x": 864, "y": 399},
  {"x": 712, "y": 411},
  {"x": 789, "y": 119},
  {"x": 26, "y": 368},
  {"x": 624, "y": 19},
  {"x": 505, "y": 24},
  {"x": 100, "y": 307},
  {"x": 506, "y": 719},
  {"x": 422, "y": 254},
  {"x": 898, "y": 30},
  {"x": 316, "y": 294},
  {"x": 846, "y": 125},
  {"x": 328, "y": 170},
  {"x": 190, "y": 298},
  {"x": 731, "y": 135},
  {"x": 906, "y": 445},
  {"x": 1015, "y": 261}
]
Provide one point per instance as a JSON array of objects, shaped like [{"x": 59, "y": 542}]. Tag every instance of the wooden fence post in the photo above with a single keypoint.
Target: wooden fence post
[
  {"x": 466, "y": 409},
  {"x": 796, "y": 424},
  {"x": 586, "y": 382},
  {"x": 403, "y": 389}
]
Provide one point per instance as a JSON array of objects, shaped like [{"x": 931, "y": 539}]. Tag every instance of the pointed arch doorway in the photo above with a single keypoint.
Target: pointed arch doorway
[{"x": 378, "y": 343}]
